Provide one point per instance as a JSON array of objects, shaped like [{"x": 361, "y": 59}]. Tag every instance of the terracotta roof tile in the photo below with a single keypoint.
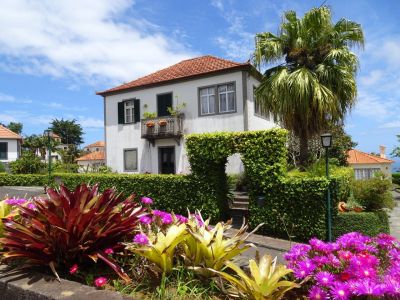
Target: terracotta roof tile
[
  {"x": 98, "y": 155},
  {"x": 184, "y": 69},
  {"x": 359, "y": 157},
  {"x": 6, "y": 133},
  {"x": 96, "y": 144}
]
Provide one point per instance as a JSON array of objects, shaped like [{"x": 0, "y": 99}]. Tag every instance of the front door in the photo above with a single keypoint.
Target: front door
[
  {"x": 166, "y": 160},
  {"x": 163, "y": 102}
]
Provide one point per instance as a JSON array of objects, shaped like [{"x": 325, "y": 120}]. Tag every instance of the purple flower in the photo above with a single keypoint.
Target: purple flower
[
  {"x": 368, "y": 287},
  {"x": 304, "y": 268},
  {"x": 31, "y": 206},
  {"x": 158, "y": 213},
  {"x": 145, "y": 220},
  {"x": 385, "y": 241},
  {"x": 319, "y": 245},
  {"x": 181, "y": 219},
  {"x": 147, "y": 200},
  {"x": 324, "y": 278},
  {"x": 317, "y": 293},
  {"x": 345, "y": 255},
  {"x": 166, "y": 218},
  {"x": 16, "y": 202},
  {"x": 100, "y": 281},
  {"x": 141, "y": 239},
  {"x": 199, "y": 220},
  {"x": 298, "y": 251},
  {"x": 109, "y": 251},
  {"x": 340, "y": 291}
]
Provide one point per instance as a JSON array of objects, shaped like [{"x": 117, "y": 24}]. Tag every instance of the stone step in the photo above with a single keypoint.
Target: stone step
[
  {"x": 240, "y": 205},
  {"x": 240, "y": 200}
]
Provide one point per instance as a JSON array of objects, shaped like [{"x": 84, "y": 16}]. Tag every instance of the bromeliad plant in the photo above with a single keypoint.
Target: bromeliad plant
[
  {"x": 71, "y": 226},
  {"x": 265, "y": 281},
  {"x": 5, "y": 210}
]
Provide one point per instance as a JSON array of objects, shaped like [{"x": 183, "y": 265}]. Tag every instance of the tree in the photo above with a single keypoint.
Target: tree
[
  {"x": 315, "y": 84},
  {"x": 28, "y": 163},
  {"x": 70, "y": 132},
  {"x": 396, "y": 151},
  {"x": 35, "y": 144},
  {"x": 15, "y": 127}
]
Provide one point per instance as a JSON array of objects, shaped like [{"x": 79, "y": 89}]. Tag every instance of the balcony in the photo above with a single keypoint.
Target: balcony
[{"x": 162, "y": 128}]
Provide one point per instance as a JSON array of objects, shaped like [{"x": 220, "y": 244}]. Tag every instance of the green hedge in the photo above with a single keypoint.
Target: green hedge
[
  {"x": 170, "y": 192},
  {"x": 369, "y": 223},
  {"x": 396, "y": 178}
]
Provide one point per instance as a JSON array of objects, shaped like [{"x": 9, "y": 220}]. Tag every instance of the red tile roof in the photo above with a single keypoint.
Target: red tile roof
[
  {"x": 359, "y": 157},
  {"x": 6, "y": 133},
  {"x": 98, "y": 155},
  {"x": 185, "y": 69},
  {"x": 96, "y": 144}
]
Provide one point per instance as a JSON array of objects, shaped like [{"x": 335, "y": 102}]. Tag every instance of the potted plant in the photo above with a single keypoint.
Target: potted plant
[
  {"x": 162, "y": 122},
  {"x": 177, "y": 110},
  {"x": 150, "y": 124}
]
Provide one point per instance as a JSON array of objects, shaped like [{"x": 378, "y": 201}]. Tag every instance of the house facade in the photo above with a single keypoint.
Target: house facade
[
  {"x": 206, "y": 94},
  {"x": 10, "y": 145},
  {"x": 366, "y": 165},
  {"x": 93, "y": 158}
]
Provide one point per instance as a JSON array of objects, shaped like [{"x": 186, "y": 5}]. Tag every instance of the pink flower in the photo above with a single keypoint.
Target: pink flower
[
  {"x": 109, "y": 251},
  {"x": 166, "y": 218},
  {"x": 145, "y": 220},
  {"x": 181, "y": 219},
  {"x": 141, "y": 239},
  {"x": 147, "y": 200},
  {"x": 324, "y": 278},
  {"x": 317, "y": 293},
  {"x": 73, "y": 269},
  {"x": 100, "y": 281}
]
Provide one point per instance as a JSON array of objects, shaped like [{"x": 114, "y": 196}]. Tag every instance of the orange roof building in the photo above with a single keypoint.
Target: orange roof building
[
  {"x": 99, "y": 155},
  {"x": 6, "y": 133},
  {"x": 10, "y": 145},
  {"x": 365, "y": 165}
]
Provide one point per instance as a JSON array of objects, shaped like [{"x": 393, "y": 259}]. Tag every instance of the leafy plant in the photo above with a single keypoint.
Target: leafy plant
[
  {"x": 149, "y": 115},
  {"x": 5, "y": 210},
  {"x": 265, "y": 281},
  {"x": 373, "y": 194},
  {"x": 28, "y": 163},
  {"x": 70, "y": 227},
  {"x": 207, "y": 248},
  {"x": 177, "y": 110}
]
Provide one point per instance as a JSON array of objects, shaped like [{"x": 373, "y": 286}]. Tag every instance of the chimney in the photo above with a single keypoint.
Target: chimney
[{"x": 382, "y": 151}]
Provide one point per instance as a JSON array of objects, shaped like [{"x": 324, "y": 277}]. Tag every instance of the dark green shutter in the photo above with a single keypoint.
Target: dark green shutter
[
  {"x": 136, "y": 110},
  {"x": 121, "y": 113}
]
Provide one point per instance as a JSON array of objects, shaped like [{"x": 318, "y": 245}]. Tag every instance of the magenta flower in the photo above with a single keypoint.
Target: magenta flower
[
  {"x": 181, "y": 219},
  {"x": 324, "y": 278},
  {"x": 100, "y": 281},
  {"x": 109, "y": 251},
  {"x": 145, "y": 220},
  {"x": 31, "y": 206},
  {"x": 73, "y": 269},
  {"x": 340, "y": 291},
  {"x": 166, "y": 218},
  {"x": 368, "y": 287},
  {"x": 141, "y": 239},
  {"x": 147, "y": 200},
  {"x": 316, "y": 293},
  {"x": 158, "y": 213},
  {"x": 16, "y": 202},
  {"x": 304, "y": 268}
]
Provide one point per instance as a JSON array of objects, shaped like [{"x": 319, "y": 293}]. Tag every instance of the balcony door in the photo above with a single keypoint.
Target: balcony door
[
  {"x": 163, "y": 102},
  {"x": 166, "y": 160}
]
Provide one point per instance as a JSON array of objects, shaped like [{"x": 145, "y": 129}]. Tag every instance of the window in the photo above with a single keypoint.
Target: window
[
  {"x": 3, "y": 150},
  {"x": 130, "y": 160},
  {"x": 226, "y": 97},
  {"x": 207, "y": 101},
  {"x": 129, "y": 110},
  {"x": 257, "y": 107},
  {"x": 217, "y": 99},
  {"x": 365, "y": 173}
]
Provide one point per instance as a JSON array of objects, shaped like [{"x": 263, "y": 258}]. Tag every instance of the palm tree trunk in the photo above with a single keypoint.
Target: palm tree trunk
[{"x": 303, "y": 158}]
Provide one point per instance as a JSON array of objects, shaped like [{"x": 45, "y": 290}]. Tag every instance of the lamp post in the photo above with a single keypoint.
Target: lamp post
[
  {"x": 47, "y": 133},
  {"x": 326, "y": 141}
]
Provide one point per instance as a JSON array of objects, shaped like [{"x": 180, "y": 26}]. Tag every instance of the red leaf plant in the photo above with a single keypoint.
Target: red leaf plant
[{"x": 71, "y": 226}]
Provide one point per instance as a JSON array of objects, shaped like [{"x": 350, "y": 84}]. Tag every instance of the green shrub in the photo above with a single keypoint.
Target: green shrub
[
  {"x": 28, "y": 163},
  {"x": 60, "y": 167},
  {"x": 369, "y": 223},
  {"x": 2, "y": 167},
  {"x": 396, "y": 178},
  {"x": 170, "y": 192},
  {"x": 373, "y": 194}
]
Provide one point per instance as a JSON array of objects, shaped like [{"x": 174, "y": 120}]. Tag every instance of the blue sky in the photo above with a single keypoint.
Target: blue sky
[{"x": 54, "y": 55}]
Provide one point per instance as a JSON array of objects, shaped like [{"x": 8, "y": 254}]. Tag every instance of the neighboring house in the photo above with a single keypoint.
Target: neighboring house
[
  {"x": 95, "y": 147},
  {"x": 219, "y": 97},
  {"x": 91, "y": 161},
  {"x": 10, "y": 145},
  {"x": 366, "y": 165}
]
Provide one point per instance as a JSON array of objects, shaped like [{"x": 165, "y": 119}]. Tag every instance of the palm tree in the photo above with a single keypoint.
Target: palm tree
[{"x": 315, "y": 82}]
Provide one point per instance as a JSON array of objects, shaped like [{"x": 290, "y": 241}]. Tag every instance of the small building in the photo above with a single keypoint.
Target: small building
[
  {"x": 10, "y": 145},
  {"x": 366, "y": 165},
  {"x": 91, "y": 161},
  {"x": 95, "y": 147}
]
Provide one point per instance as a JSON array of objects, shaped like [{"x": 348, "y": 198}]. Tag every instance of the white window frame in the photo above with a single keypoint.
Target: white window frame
[
  {"x": 365, "y": 173},
  {"x": 136, "y": 158},
  {"x": 217, "y": 103},
  {"x": 129, "y": 113},
  {"x": 207, "y": 97},
  {"x": 226, "y": 93}
]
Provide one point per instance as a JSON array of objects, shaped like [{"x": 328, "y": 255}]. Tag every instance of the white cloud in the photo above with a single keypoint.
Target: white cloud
[
  {"x": 12, "y": 99},
  {"x": 372, "y": 77},
  {"x": 6, "y": 118},
  {"x": 82, "y": 39},
  {"x": 90, "y": 122},
  {"x": 372, "y": 106},
  {"x": 393, "y": 124}
]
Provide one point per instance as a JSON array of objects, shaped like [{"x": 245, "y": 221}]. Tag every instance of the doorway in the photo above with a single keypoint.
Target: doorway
[{"x": 166, "y": 160}]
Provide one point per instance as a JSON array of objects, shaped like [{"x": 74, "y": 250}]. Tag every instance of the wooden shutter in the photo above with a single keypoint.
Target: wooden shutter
[
  {"x": 136, "y": 110},
  {"x": 121, "y": 112}
]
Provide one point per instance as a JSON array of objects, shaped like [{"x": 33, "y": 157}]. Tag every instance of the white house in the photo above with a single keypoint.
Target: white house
[
  {"x": 10, "y": 145},
  {"x": 366, "y": 165},
  {"x": 94, "y": 157},
  {"x": 218, "y": 95}
]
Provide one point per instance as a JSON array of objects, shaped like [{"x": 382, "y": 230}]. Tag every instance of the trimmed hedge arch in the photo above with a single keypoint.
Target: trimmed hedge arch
[{"x": 263, "y": 155}]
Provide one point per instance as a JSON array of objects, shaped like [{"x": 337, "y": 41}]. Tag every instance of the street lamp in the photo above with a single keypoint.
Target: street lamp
[
  {"x": 47, "y": 133},
  {"x": 326, "y": 141}
]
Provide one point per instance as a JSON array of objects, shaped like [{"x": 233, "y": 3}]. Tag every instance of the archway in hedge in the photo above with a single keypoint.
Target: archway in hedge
[{"x": 263, "y": 154}]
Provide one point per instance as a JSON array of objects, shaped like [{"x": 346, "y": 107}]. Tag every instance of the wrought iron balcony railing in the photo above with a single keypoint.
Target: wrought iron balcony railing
[{"x": 162, "y": 127}]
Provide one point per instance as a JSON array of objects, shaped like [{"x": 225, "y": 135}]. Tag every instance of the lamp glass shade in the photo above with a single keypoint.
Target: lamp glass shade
[{"x": 326, "y": 140}]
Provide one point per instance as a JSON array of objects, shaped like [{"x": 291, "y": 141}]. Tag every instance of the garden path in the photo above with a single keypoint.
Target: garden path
[{"x": 395, "y": 217}]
